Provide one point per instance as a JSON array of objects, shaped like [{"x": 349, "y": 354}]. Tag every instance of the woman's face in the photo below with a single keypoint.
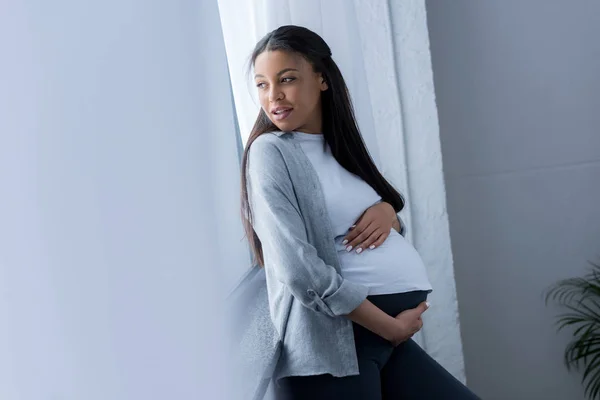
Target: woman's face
[{"x": 289, "y": 91}]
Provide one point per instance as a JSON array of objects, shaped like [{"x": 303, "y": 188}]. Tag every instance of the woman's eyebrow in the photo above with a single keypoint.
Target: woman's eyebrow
[{"x": 283, "y": 71}]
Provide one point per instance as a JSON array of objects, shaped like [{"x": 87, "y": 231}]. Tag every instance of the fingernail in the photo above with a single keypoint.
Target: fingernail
[
  {"x": 427, "y": 304},
  {"x": 349, "y": 248},
  {"x": 358, "y": 250},
  {"x": 352, "y": 227},
  {"x": 372, "y": 246},
  {"x": 345, "y": 241}
]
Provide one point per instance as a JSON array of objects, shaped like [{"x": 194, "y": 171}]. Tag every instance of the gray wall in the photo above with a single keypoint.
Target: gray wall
[{"x": 518, "y": 94}]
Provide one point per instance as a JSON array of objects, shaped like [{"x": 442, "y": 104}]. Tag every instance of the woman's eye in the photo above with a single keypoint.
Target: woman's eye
[
  {"x": 260, "y": 85},
  {"x": 288, "y": 79}
]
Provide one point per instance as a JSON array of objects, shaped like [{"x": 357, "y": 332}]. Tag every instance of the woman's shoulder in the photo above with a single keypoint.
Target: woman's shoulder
[
  {"x": 265, "y": 142},
  {"x": 270, "y": 155},
  {"x": 270, "y": 141},
  {"x": 270, "y": 147}
]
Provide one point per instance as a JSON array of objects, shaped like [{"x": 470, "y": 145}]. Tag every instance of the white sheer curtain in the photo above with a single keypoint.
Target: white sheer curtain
[
  {"x": 118, "y": 214},
  {"x": 382, "y": 49}
]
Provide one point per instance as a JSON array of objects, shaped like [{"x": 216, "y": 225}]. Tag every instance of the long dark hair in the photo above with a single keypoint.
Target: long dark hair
[{"x": 340, "y": 129}]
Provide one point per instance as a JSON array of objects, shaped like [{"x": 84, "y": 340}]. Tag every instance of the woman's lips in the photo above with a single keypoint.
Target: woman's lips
[{"x": 282, "y": 115}]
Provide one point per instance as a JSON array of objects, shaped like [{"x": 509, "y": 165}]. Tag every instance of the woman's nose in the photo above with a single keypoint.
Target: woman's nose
[{"x": 275, "y": 94}]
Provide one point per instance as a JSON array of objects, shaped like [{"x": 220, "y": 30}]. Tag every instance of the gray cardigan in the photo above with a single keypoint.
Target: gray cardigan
[{"x": 307, "y": 296}]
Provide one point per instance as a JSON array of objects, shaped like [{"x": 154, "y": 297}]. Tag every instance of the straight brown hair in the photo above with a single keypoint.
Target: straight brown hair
[{"x": 340, "y": 129}]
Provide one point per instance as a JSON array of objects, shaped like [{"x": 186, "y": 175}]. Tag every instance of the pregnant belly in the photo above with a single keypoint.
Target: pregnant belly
[
  {"x": 395, "y": 261},
  {"x": 394, "y": 304}
]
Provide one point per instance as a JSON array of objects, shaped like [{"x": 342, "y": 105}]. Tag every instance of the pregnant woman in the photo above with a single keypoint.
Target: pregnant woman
[{"x": 346, "y": 291}]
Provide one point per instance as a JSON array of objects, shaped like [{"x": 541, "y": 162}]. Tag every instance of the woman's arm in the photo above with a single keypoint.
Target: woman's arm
[
  {"x": 395, "y": 330},
  {"x": 374, "y": 319},
  {"x": 295, "y": 262},
  {"x": 290, "y": 257}
]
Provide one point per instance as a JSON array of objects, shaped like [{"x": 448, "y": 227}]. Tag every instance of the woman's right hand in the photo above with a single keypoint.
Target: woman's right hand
[{"x": 407, "y": 323}]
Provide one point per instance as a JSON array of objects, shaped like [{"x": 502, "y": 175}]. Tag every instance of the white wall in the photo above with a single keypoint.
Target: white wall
[
  {"x": 108, "y": 260},
  {"x": 517, "y": 87}
]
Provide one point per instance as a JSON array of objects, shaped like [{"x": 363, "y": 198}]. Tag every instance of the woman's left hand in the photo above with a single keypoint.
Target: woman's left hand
[{"x": 372, "y": 228}]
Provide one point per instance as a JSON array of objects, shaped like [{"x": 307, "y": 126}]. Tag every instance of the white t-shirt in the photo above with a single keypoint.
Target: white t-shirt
[{"x": 393, "y": 267}]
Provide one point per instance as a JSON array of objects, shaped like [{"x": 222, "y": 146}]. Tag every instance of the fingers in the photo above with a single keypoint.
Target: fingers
[
  {"x": 420, "y": 309},
  {"x": 378, "y": 242},
  {"x": 368, "y": 241},
  {"x": 363, "y": 234},
  {"x": 412, "y": 317},
  {"x": 415, "y": 329},
  {"x": 417, "y": 311},
  {"x": 411, "y": 322},
  {"x": 417, "y": 326},
  {"x": 355, "y": 230},
  {"x": 359, "y": 226}
]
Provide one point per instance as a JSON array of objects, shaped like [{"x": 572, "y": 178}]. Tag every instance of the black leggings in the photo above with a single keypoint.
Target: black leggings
[{"x": 386, "y": 372}]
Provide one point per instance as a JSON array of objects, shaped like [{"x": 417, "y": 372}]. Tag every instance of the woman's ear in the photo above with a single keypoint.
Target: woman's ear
[{"x": 324, "y": 85}]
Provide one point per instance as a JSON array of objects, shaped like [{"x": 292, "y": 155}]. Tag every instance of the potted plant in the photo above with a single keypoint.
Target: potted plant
[{"x": 580, "y": 297}]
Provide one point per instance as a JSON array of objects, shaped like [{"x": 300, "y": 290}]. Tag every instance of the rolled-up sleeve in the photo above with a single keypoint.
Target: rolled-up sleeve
[{"x": 279, "y": 225}]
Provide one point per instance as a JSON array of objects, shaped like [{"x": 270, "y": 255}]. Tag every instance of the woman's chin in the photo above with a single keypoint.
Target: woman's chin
[{"x": 284, "y": 126}]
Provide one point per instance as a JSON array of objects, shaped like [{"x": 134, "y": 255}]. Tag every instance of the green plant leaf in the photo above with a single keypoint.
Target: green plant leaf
[{"x": 580, "y": 297}]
